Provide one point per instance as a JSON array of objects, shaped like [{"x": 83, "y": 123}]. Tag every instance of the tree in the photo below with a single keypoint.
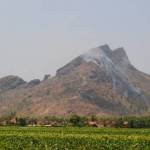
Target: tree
[
  {"x": 78, "y": 121},
  {"x": 21, "y": 121}
]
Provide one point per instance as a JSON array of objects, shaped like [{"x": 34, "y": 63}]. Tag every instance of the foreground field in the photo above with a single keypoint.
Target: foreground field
[{"x": 38, "y": 138}]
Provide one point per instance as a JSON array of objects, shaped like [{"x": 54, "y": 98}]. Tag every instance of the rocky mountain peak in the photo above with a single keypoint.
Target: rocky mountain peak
[
  {"x": 98, "y": 54},
  {"x": 104, "y": 57},
  {"x": 120, "y": 53},
  {"x": 105, "y": 48},
  {"x": 106, "y": 51},
  {"x": 121, "y": 59},
  {"x": 102, "y": 65}
]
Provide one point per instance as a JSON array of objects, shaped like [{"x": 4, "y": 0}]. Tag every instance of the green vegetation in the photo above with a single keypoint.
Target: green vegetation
[
  {"x": 21, "y": 121},
  {"x": 72, "y": 138},
  {"x": 77, "y": 121}
]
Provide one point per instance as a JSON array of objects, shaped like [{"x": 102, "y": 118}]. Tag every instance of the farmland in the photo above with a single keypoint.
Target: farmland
[{"x": 72, "y": 138}]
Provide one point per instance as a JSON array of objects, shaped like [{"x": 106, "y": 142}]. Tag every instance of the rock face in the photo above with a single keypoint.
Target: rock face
[{"x": 101, "y": 81}]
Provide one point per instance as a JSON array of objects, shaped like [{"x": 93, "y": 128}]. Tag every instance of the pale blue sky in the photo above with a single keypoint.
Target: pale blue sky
[{"x": 39, "y": 36}]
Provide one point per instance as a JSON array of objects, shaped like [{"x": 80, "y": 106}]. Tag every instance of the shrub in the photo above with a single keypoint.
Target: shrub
[
  {"x": 21, "y": 121},
  {"x": 78, "y": 121}
]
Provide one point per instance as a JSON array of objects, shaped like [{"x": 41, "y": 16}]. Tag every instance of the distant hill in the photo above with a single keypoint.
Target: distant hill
[{"x": 101, "y": 81}]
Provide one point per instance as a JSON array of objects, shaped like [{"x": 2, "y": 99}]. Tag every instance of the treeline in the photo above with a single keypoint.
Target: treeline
[{"x": 77, "y": 121}]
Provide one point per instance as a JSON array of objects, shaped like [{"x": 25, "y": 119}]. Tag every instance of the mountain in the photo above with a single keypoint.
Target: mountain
[
  {"x": 10, "y": 82},
  {"x": 101, "y": 81}
]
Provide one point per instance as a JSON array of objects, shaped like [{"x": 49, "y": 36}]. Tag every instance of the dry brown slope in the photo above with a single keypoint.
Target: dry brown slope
[{"x": 101, "y": 82}]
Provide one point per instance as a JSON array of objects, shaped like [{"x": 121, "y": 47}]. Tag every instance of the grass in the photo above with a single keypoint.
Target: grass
[{"x": 71, "y": 138}]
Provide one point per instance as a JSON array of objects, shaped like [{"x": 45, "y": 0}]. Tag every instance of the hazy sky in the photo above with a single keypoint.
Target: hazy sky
[{"x": 39, "y": 36}]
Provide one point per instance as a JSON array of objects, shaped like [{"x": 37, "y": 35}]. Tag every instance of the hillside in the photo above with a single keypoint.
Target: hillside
[{"x": 101, "y": 81}]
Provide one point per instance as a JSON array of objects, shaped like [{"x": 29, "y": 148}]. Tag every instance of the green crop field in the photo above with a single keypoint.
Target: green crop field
[{"x": 71, "y": 138}]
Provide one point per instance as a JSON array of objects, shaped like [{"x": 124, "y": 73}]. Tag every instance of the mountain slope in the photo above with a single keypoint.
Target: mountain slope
[{"x": 101, "y": 81}]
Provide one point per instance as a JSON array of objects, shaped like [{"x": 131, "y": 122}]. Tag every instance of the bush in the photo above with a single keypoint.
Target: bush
[
  {"x": 21, "y": 121},
  {"x": 78, "y": 121}
]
